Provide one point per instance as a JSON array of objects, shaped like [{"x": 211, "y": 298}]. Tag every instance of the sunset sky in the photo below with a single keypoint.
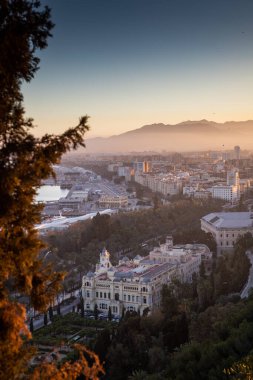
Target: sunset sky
[{"x": 127, "y": 63}]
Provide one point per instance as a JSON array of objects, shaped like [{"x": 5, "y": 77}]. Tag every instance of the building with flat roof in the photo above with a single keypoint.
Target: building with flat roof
[
  {"x": 136, "y": 284},
  {"x": 227, "y": 227},
  {"x": 116, "y": 201}
]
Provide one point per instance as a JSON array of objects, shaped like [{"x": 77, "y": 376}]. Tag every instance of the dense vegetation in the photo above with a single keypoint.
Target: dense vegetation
[
  {"x": 187, "y": 339},
  {"x": 126, "y": 232},
  {"x": 202, "y": 328}
]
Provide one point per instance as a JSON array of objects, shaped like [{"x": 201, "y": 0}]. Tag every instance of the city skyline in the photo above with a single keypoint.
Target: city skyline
[{"x": 131, "y": 63}]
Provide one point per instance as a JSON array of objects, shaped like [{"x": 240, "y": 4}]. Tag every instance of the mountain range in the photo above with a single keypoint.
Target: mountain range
[{"x": 186, "y": 136}]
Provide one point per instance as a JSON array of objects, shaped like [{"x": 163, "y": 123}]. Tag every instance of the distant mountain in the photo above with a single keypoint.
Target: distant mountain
[{"x": 186, "y": 136}]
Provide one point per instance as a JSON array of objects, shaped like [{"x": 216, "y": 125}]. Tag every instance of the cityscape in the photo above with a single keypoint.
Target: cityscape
[{"x": 126, "y": 213}]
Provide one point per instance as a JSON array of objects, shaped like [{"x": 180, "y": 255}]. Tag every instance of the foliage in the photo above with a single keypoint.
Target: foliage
[
  {"x": 124, "y": 233},
  {"x": 24, "y": 162},
  {"x": 242, "y": 370},
  {"x": 72, "y": 371}
]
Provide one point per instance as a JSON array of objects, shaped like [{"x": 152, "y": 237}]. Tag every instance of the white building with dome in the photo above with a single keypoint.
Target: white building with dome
[{"x": 136, "y": 284}]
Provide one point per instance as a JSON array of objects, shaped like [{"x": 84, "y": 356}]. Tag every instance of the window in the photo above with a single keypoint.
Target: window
[
  {"x": 132, "y": 298},
  {"x": 124, "y": 297},
  {"x": 88, "y": 294},
  {"x": 101, "y": 295},
  {"x": 87, "y": 305},
  {"x": 96, "y": 294},
  {"x": 109, "y": 295},
  {"x": 144, "y": 299},
  {"x": 116, "y": 296},
  {"x": 104, "y": 295},
  {"x": 128, "y": 297},
  {"x": 137, "y": 298}
]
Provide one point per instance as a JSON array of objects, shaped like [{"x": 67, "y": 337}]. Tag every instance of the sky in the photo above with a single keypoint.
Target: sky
[{"x": 128, "y": 63}]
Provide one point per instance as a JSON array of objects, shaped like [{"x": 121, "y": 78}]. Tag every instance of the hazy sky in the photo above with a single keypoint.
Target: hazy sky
[{"x": 127, "y": 63}]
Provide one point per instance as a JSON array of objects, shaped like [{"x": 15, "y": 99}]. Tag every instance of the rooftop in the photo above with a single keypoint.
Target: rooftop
[{"x": 230, "y": 219}]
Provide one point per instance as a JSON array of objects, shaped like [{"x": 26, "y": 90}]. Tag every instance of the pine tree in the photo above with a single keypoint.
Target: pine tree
[
  {"x": 24, "y": 162},
  {"x": 109, "y": 314},
  {"x": 58, "y": 309},
  {"x": 96, "y": 312}
]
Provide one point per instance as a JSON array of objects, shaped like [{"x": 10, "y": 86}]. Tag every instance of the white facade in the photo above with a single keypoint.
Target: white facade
[
  {"x": 166, "y": 184},
  {"x": 227, "y": 227},
  {"x": 113, "y": 201},
  {"x": 233, "y": 177},
  {"x": 229, "y": 193},
  {"x": 136, "y": 284}
]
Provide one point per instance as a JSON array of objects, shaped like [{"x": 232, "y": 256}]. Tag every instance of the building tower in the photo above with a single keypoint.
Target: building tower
[
  {"x": 146, "y": 167},
  {"x": 233, "y": 178},
  {"x": 169, "y": 242},
  {"x": 104, "y": 261},
  {"x": 237, "y": 152}
]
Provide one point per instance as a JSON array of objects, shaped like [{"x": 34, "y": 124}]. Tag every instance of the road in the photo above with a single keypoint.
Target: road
[
  {"x": 38, "y": 323},
  {"x": 249, "y": 285}
]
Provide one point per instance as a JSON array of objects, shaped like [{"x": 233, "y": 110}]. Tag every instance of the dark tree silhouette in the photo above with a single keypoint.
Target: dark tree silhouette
[
  {"x": 31, "y": 325},
  {"x": 45, "y": 319},
  {"x": 96, "y": 312},
  {"x": 109, "y": 313},
  {"x": 24, "y": 162}
]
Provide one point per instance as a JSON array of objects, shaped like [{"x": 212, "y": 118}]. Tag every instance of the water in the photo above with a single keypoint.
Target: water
[{"x": 50, "y": 193}]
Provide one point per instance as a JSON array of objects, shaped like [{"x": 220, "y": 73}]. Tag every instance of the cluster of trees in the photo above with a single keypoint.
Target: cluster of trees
[
  {"x": 142, "y": 342},
  {"x": 170, "y": 344},
  {"x": 200, "y": 331},
  {"x": 229, "y": 274},
  {"x": 124, "y": 233}
]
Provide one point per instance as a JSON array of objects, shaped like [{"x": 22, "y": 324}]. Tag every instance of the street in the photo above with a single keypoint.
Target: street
[{"x": 38, "y": 323}]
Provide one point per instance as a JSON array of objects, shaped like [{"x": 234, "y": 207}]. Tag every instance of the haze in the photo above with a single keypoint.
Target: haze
[{"x": 130, "y": 63}]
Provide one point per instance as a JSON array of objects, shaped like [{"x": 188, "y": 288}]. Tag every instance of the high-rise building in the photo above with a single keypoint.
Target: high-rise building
[
  {"x": 233, "y": 178},
  {"x": 237, "y": 152},
  {"x": 146, "y": 167}
]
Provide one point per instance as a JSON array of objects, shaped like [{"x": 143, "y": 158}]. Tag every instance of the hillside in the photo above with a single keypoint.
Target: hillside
[{"x": 185, "y": 136}]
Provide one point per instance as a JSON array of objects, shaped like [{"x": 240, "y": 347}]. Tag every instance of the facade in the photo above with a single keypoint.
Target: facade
[
  {"x": 233, "y": 178},
  {"x": 146, "y": 167},
  {"x": 227, "y": 227},
  {"x": 108, "y": 201},
  {"x": 227, "y": 192},
  {"x": 72, "y": 204},
  {"x": 136, "y": 284},
  {"x": 138, "y": 166},
  {"x": 196, "y": 192},
  {"x": 231, "y": 191},
  {"x": 164, "y": 183}
]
